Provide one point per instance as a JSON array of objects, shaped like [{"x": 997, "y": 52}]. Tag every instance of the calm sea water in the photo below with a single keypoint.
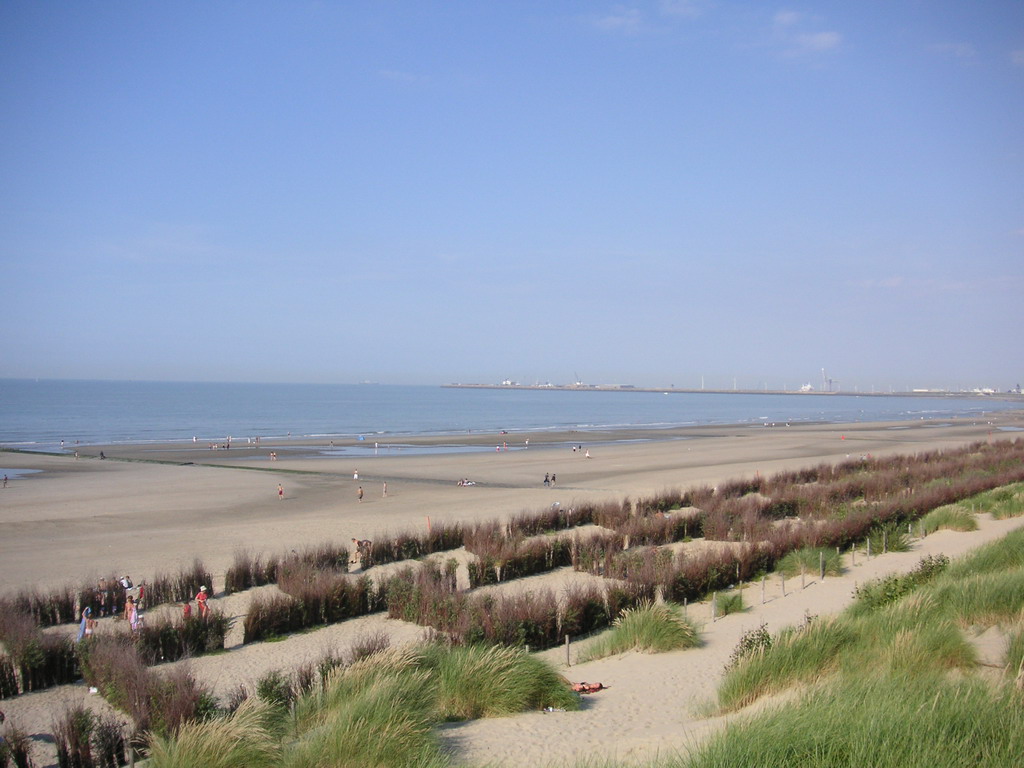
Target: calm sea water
[{"x": 37, "y": 415}]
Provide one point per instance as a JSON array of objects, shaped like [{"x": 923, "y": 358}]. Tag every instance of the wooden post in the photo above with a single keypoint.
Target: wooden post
[
  {"x": 714, "y": 606},
  {"x": 821, "y": 566},
  {"x": 686, "y": 601},
  {"x": 803, "y": 576},
  {"x": 567, "y": 662},
  {"x": 885, "y": 542},
  {"x": 867, "y": 546},
  {"x": 763, "y": 580},
  {"x": 782, "y": 578}
]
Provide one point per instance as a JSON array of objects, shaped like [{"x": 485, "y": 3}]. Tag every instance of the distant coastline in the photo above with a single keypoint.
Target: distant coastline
[{"x": 1010, "y": 396}]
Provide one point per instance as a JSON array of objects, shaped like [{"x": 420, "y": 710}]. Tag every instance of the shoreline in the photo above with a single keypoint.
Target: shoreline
[{"x": 339, "y": 446}]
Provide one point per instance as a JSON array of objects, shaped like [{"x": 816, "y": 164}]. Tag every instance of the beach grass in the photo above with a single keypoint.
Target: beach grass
[
  {"x": 239, "y": 740},
  {"x": 912, "y": 720},
  {"x": 809, "y": 560},
  {"x": 954, "y": 517},
  {"x": 649, "y": 627},
  {"x": 477, "y": 681},
  {"x": 378, "y": 711},
  {"x": 1001, "y": 503},
  {"x": 797, "y": 655}
]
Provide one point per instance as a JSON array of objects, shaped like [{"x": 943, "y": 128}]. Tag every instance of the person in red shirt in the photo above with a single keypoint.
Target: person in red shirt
[
  {"x": 201, "y": 597},
  {"x": 186, "y": 609}
]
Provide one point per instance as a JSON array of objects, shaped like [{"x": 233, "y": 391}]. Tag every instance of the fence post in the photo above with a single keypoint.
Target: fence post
[
  {"x": 821, "y": 566},
  {"x": 686, "y": 600},
  {"x": 782, "y": 578},
  {"x": 885, "y": 542},
  {"x": 714, "y": 606},
  {"x": 567, "y": 662},
  {"x": 803, "y": 576},
  {"x": 867, "y": 543},
  {"x": 763, "y": 580}
]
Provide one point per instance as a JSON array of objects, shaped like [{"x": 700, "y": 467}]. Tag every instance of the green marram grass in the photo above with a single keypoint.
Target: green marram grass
[
  {"x": 728, "y": 602},
  {"x": 244, "y": 738},
  {"x": 954, "y": 517},
  {"x": 489, "y": 681},
  {"x": 379, "y": 711},
  {"x": 1001, "y": 555},
  {"x": 1015, "y": 655},
  {"x": 1001, "y": 503},
  {"x": 809, "y": 560},
  {"x": 797, "y": 655},
  {"x": 920, "y": 720},
  {"x": 649, "y": 627}
]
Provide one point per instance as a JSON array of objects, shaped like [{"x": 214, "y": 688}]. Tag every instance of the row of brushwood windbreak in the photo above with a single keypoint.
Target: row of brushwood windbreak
[
  {"x": 745, "y": 510},
  {"x": 64, "y": 605},
  {"x": 844, "y": 503},
  {"x": 35, "y": 660},
  {"x": 732, "y": 511}
]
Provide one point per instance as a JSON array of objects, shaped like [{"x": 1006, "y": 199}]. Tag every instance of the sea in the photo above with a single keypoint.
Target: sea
[{"x": 58, "y": 415}]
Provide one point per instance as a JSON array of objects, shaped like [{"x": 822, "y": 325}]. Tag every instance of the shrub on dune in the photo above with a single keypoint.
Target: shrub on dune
[
  {"x": 488, "y": 681},
  {"x": 1004, "y": 502},
  {"x": 886, "y": 721},
  {"x": 650, "y": 627},
  {"x": 240, "y": 740},
  {"x": 809, "y": 560},
  {"x": 377, "y": 712},
  {"x": 802, "y": 654},
  {"x": 953, "y": 517}
]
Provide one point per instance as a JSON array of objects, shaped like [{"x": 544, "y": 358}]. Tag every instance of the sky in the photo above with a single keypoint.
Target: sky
[{"x": 660, "y": 193}]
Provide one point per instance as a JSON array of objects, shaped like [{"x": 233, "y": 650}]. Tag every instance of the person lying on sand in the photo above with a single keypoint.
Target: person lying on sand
[{"x": 588, "y": 687}]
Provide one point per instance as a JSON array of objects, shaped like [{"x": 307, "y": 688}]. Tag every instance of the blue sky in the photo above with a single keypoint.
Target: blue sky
[{"x": 649, "y": 193}]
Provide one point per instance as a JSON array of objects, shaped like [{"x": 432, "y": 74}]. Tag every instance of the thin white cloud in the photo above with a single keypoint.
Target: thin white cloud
[
  {"x": 620, "y": 20},
  {"x": 688, "y": 9},
  {"x": 888, "y": 283},
  {"x": 787, "y": 18},
  {"x": 956, "y": 50},
  {"x": 819, "y": 41},
  {"x": 401, "y": 77},
  {"x": 799, "y": 34}
]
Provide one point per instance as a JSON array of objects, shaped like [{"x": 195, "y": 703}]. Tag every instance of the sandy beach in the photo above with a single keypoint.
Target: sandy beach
[{"x": 153, "y": 508}]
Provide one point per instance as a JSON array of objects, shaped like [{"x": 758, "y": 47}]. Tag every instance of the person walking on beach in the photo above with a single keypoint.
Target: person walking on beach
[
  {"x": 280, "y": 492},
  {"x": 360, "y": 494},
  {"x": 385, "y": 490},
  {"x": 547, "y": 479},
  {"x": 5, "y": 481}
]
